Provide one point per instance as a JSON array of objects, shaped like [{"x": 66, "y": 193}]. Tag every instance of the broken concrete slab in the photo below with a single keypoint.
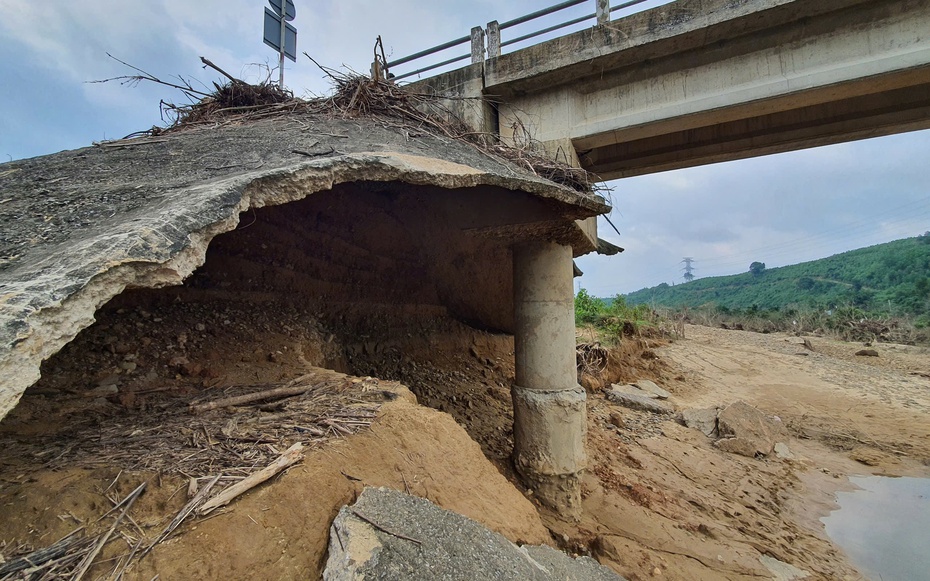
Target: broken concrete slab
[
  {"x": 82, "y": 226},
  {"x": 632, "y": 390},
  {"x": 639, "y": 402},
  {"x": 390, "y": 535},
  {"x": 652, "y": 388},
  {"x": 747, "y": 431},
  {"x": 703, "y": 420}
]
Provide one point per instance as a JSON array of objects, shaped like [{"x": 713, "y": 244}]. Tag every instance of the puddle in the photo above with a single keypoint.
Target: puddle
[{"x": 885, "y": 527}]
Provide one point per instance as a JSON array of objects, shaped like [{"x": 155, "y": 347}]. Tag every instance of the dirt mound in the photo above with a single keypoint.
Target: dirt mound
[{"x": 281, "y": 530}]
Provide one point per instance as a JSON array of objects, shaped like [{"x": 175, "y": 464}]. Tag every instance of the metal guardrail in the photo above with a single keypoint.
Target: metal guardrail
[{"x": 487, "y": 43}]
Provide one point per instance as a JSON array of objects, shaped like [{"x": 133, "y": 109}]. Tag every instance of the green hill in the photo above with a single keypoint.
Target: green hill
[{"x": 891, "y": 278}]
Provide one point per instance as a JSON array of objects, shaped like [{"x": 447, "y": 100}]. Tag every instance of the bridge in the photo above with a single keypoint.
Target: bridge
[
  {"x": 687, "y": 83},
  {"x": 698, "y": 81}
]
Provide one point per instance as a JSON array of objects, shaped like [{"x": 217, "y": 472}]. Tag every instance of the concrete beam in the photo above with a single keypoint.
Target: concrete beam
[
  {"x": 550, "y": 420},
  {"x": 699, "y": 81}
]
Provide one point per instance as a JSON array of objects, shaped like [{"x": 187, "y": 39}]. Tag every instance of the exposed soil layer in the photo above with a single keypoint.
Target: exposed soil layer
[{"x": 659, "y": 499}]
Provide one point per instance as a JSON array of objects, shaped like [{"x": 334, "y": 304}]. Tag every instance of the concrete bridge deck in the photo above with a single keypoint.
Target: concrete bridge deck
[{"x": 701, "y": 81}]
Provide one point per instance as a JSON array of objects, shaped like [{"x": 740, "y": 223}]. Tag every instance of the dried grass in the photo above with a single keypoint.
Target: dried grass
[
  {"x": 168, "y": 439},
  {"x": 358, "y": 96},
  {"x": 214, "y": 450}
]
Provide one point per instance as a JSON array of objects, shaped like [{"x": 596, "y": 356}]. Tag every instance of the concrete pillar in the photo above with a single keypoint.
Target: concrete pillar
[
  {"x": 477, "y": 45},
  {"x": 549, "y": 410},
  {"x": 603, "y": 12},
  {"x": 494, "y": 39}
]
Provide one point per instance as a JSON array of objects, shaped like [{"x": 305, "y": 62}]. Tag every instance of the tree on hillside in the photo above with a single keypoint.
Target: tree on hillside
[{"x": 756, "y": 268}]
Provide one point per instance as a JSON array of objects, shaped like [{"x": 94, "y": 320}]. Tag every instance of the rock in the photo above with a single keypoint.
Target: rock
[
  {"x": 639, "y": 402},
  {"x": 867, "y": 456},
  {"x": 108, "y": 379},
  {"x": 191, "y": 369},
  {"x": 632, "y": 390},
  {"x": 702, "y": 420},
  {"x": 782, "y": 571},
  {"x": 616, "y": 420},
  {"x": 650, "y": 387},
  {"x": 867, "y": 353},
  {"x": 747, "y": 431},
  {"x": 390, "y": 535},
  {"x": 783, "y": 452},
  {"x": 122, "y": 348},
  {"x": 104, "y": 391}
]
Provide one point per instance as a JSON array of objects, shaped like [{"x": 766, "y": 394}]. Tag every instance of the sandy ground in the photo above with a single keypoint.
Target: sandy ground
[
  {"x": 660, "y": 500},
  {"x": 694, "y": 512}
]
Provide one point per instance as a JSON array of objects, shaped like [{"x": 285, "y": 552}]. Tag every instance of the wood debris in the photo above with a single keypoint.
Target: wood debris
[{"x": 354, "y": 96}]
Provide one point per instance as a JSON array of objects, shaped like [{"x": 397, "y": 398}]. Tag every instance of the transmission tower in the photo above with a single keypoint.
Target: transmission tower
[{"x": 689, "y": 270}]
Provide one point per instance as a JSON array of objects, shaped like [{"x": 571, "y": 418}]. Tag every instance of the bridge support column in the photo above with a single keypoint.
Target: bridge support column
[{"x": 550, "y": 419}]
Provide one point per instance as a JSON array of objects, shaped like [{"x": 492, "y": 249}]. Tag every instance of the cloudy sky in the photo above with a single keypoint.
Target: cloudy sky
[{"x": 778, "y": 209}]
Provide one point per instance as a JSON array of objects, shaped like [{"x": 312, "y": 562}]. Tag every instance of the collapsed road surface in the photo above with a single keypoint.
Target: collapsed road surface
[{"x": 329, "y": 211}]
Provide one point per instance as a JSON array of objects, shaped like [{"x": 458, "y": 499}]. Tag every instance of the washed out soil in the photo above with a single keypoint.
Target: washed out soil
[{"x": 660, "y": 501}]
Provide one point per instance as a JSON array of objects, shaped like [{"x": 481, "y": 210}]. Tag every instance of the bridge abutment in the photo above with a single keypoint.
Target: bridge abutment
[{"x": 549, "y": 405}]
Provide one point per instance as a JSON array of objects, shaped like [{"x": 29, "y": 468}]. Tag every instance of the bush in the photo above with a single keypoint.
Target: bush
[
  {"x": 589, "y": 310},
  {"x": 616, "y": 319}
]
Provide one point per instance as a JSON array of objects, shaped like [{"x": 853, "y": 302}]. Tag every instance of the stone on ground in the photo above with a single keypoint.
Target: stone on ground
[
  {"x": 639, "y": 402},
  {"x": 783, "y": 452},
  {"x": 632, "y": 390},
  {"x": 783, "y": 571},
  {"x": 651, "y": 387},
  {"x": 702, "y": 420},
  {"x": 390, "y": 535},
  {"x": 747, "y": 431}
]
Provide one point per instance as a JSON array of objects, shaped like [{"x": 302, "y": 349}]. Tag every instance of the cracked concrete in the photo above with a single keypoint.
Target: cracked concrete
[{"x": 82, "y": 226}]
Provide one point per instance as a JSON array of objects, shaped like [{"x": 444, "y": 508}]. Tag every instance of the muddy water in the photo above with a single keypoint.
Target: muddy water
[{"x": 885, "y": 527}]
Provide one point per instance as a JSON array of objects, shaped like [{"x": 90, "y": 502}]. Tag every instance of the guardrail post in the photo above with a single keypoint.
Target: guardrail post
[
  {"x": 477, "y": 45},
  {"x": 494, "y": 39},
  {"x": 603, "y": 12}
]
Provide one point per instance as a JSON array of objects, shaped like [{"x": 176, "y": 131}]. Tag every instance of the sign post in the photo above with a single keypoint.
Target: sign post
[{"x": 280, "y": 35}]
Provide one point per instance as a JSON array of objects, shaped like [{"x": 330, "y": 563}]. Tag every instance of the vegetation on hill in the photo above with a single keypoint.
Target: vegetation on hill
[{"x": 891, "y": 279}]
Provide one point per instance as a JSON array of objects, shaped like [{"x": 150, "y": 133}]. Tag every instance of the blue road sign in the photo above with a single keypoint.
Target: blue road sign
[
  {"x": 291, "y": 9},
  {"x": 273, "y": 35}
]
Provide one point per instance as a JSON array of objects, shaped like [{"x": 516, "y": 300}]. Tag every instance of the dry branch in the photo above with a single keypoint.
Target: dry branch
[
  {"x": 70, "y": 546},
  {"x": 183, "y": 514},
  {"x": 383, "y": 528},
  {"x": 276, "y": 393},
  {"x": 290, "y": 457},
  {"x": 102, "y": 541},
  {"x": 357, "y": 96}
]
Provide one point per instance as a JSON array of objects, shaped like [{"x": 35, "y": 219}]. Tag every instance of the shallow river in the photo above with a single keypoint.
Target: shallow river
[{"x": 885, "y": 527}]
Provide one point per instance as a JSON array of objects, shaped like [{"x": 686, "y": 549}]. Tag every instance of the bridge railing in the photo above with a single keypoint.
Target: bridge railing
[{"x": 487, "y": 42}]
